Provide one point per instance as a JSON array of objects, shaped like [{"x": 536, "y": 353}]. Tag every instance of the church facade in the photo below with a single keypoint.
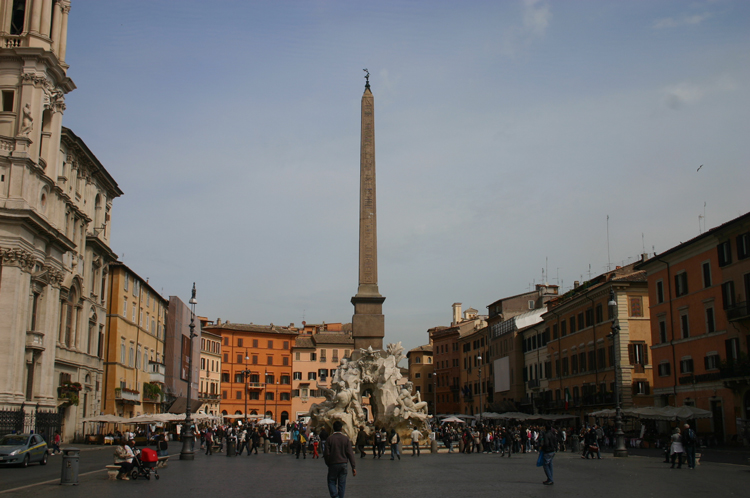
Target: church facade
[{"x": 55, "y": 207}]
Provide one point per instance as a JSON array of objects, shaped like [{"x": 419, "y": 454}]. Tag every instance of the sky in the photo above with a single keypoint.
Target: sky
[{"x": 517, "y": 142}]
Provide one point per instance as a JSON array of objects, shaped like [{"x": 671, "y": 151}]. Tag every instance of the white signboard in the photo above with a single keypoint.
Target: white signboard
[{"x": 501, "y": 367}]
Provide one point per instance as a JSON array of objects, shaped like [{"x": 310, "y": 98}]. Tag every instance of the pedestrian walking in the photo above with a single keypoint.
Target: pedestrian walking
[
  {"x": 689, "y": 442},
  {"x": 376, "y": 443},
  {"x": 56, "y": 441},
  {"x": 548, "y": 447},
  {"x": 383, "y": 441},
  {"x": 394, "y": 439},
  {"x": 361, "y": 441},
  {"x": 676, "y": 449},
  {"x": 315, "y": 440},
  {"x": 415, "y": 436},
  {"x": 337, "y": 454},
  {"x": 209, "y": 442}
]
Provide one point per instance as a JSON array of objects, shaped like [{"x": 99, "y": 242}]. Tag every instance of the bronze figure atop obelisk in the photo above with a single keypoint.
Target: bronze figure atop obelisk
[{"x": 368, "y": 322}]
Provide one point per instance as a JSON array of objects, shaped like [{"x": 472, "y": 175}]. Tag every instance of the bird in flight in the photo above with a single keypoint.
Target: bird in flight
[{"x": 699, "y": 168}]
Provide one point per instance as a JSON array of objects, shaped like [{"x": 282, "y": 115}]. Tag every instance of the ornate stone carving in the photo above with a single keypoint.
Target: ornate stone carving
[
  {"x": 371, "y": 371},
  {"x": 27, "y": 122},
  {"x": 18, "y": 257}
]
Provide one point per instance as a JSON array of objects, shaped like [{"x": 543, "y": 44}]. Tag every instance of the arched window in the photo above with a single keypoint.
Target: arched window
[{"x": 284, "y": 417}]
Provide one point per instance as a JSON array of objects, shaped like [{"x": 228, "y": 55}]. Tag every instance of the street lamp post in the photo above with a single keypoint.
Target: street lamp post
[
  {"x": 246, "y": 373},
  {"x": 620, "y": 449},
  {"x": 481, "y": 405},
  {"x": 188, "y": 437}
]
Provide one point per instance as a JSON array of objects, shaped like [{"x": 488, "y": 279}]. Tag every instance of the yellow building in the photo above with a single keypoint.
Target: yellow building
[
  {"x": 317, "y": 353},
  {"x": 134, "y": 346},
  {"x": 210, "y": 372}
]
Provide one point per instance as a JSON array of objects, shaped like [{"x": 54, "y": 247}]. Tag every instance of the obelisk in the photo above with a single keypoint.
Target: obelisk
[{"x": 368, "y": 322}]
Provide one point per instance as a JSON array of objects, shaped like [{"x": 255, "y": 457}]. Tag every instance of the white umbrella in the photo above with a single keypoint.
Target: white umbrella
[
  {"x": 490, "y": 415},
  {"x": 453, "y": 420},
  {"x": 267, "y": 421}
]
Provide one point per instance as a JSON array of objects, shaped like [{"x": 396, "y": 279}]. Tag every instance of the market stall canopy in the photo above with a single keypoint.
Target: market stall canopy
[
  {"x": 180, "y": 405},
  {"x": 668, "y": 413},
  {"x": 491, "y": 415}
]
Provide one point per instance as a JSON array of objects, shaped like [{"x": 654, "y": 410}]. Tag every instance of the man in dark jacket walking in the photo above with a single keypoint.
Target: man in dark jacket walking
[
  {"x": 361, "y": 441},
  {"x": 548, "y": 447},
  {"x": 337, "y": 453}
]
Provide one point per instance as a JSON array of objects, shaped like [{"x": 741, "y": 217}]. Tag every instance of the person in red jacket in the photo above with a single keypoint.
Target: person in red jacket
[{"x": 337, "y": 453}]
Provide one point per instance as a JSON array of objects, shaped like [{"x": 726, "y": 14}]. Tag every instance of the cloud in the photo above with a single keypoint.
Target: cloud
[
  {"x": 536, "y": 16},
  {"x": 686, "y": 93},
  {"x": 684, "y": 20}
]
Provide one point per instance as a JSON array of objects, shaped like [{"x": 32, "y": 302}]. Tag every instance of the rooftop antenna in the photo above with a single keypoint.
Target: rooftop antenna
[
  {"x": 589, "y": 271},
  {"x": 557, "y": 279},
  {"x": 643, "y": 242},
  {"x": 609, "y": 264}
]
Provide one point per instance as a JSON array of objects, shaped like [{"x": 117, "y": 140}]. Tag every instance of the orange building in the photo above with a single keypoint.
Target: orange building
[
  {"x": 585, "y": 359},
  {"x": 447, "y": 357},
  {"x": 700, "y": 323},
  {"x": 256, "y": 369},
  {"x": 421, "y": 371}
]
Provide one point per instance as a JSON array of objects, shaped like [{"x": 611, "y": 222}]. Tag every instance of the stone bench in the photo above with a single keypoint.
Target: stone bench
[{"x": 112, "y": 471}]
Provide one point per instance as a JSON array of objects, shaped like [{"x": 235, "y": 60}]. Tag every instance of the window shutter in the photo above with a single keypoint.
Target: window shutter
[
  {"x": 631, "y": 353},
  {"x": 634, "y": 388},
  {"x": 728, "y": 346},
  {"x": 648, "y": 388},
  {"x": 645, "y": 354},
  {"x": 705, "y": 362}
]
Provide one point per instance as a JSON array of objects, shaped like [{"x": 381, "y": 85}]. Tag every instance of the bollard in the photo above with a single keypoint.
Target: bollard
[
  {"x": 70, "y": 463},
  {"x": 433, "y": 446},
  {"x": 461, "y": 446},
  {"x": 231, "y": 451},
  {"x": 266, "y": 445}
]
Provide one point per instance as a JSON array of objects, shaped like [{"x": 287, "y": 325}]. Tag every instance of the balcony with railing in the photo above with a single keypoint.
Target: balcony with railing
[
  {"x": 533, "y": 384},
  {"x": 35, "y": 340},
  {"x": 127, "y": 396},
  {"x": 158, "y": 372},
  {"x": 740, "y": 311}
]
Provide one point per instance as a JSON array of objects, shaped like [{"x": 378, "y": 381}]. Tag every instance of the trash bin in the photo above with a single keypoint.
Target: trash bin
[
  {"x": 231, "y": 451},
  {"x": 70, "y": 463}
]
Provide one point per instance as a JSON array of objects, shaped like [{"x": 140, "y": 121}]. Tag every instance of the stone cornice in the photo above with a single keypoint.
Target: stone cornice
[
  {"x": 29, "y": 217},
  {"x": 54, "y": 66}
]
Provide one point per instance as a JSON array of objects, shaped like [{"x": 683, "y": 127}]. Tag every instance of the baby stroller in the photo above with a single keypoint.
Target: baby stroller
[{"x": 144, "y": 464}]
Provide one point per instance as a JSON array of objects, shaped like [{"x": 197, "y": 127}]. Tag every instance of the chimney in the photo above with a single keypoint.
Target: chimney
[
  {"x": 644, "y": 257},
  {"x": 218, "y": 321},
  {"x": 456, "y": 314},
  {"x": 576, "y": 284}
]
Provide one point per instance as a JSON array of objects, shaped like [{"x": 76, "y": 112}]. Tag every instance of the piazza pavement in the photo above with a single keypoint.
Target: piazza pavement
[{"x": 433, "y": 475}]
